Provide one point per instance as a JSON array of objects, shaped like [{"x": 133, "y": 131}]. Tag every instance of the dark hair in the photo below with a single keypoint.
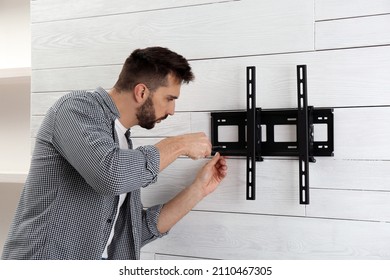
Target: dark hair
[{"x": 151, "y": 66}]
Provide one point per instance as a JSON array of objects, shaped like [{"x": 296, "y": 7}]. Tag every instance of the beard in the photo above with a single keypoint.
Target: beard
[{"x": 147, "y": 115}]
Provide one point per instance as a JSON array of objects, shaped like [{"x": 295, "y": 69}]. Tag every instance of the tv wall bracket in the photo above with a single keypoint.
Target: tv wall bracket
[{"x": 256, "y": 133}]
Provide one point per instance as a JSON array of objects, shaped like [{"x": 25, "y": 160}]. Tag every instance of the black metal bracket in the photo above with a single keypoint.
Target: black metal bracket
[{"x": 256, "y": 133}]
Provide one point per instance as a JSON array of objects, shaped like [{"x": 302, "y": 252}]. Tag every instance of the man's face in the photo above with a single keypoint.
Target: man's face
[{"x": 159, "y": 105}]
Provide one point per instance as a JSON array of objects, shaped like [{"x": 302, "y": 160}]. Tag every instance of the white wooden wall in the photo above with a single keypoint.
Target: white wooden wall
[{"x": 346, "y": 47}]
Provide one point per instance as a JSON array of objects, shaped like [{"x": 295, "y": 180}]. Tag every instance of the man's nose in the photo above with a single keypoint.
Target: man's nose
[{"x": 171, "y": 109}]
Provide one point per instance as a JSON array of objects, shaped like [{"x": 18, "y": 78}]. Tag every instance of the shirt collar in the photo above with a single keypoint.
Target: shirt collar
[{"x": 103, "y": 94}]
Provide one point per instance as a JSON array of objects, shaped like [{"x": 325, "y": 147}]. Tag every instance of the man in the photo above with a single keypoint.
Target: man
[{"x": 81, "y": 199}]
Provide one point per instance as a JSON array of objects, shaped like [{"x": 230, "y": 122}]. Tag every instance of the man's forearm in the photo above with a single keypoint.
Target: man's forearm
[
  {"x": 206, "y": 181},
  {"x": 178, "y": 207},
  {"x": 170, "y": 149}
]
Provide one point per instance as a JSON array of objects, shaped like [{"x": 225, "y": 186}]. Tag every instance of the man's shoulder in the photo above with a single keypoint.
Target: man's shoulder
[
  {"x": 75, "y": 95},
  {"x": 77, "y": 99},
  {"x": 82, "y": 103}
]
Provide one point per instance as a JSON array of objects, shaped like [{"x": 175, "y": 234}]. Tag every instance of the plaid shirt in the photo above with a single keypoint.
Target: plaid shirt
[{"x": 77, "y": 173}]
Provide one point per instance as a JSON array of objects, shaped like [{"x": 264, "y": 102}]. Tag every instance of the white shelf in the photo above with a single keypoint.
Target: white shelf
[
  {"x": 15, "y": 72},
  {"x": 13, "y": 177}
]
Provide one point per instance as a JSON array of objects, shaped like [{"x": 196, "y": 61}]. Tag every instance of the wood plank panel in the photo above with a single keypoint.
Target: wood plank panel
[
  {"x": 330, "y": 173},
  {"x": 277, "y": 189},
  {"x": 170, "y": 257},
  {"x": 347, "y": 204},
  {"x": 49, "y": 10},
  {"x": 362, "y": 133},
  {"x": 179, "y": 123},
  {"x": 326, "y": 173},
  {"x": 334, "y": 9},
  {"x": 353, "y": 32},
  {"x": 174, "y": 125},
  {"x": 341, "y": 189},
  {"x": 236, "y": 236},
  {"x": 356, "y": 77},
  {"x": 147, "y": 255},
  {"x": 276, "y": 193},
  {"x": 77, "y": 78},
  {"x": 36, "y": 122},
  {"x": 359, "y": 132},
  {"x": 231, "y": 29},
  {"x": 153, "y": 256},
  {"x": 41, "y": 102}
]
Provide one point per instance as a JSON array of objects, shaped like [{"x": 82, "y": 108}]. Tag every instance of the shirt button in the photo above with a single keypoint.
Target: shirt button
[{"x": 109, "y": 221}]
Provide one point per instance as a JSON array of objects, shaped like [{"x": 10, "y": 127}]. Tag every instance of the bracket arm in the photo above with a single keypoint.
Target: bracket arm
[
  {"x": 303, "y": 135},
  {"x": 251, "y": 133}
]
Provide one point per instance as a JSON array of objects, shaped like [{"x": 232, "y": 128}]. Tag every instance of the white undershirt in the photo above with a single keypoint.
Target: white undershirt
[{"x": 120, "y": 131}]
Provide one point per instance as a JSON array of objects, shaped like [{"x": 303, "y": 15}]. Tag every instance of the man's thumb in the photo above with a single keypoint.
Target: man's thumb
[{"x": 215, "y": 158}]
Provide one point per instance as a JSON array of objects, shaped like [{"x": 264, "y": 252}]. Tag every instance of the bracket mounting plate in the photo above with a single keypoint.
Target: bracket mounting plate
[
  {"x": 256, "y": 133},
  {"x": 269, "y": 145}
]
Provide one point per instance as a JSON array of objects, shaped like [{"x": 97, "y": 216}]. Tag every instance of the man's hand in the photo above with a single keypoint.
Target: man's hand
[
  {"x": 196, "y": 145},
  {"x": 193, "y": 145},
  {"x": 211, "y": 174}
]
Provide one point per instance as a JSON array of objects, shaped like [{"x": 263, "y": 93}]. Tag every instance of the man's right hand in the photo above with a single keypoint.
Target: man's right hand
[
  {"x": 197, "y": 145},
  {"x": 193, "y": 145}
]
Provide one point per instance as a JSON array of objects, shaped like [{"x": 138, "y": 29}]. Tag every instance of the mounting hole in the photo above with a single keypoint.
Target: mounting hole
[
  {"x": 320, "y": 132},
  {"x": 228, "y": 133},
  {"x": 285, "y": 133},
  {"x": 263, "y": 133}
]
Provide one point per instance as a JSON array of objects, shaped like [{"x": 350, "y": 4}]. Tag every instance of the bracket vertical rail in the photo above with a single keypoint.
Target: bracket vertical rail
[
  {"x": 303, "y": 135},
  {"x": 251, "y": 135}
]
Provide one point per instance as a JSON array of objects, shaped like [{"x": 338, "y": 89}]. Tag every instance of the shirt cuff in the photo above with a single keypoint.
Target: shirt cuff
[
  {"x": 152, "y": 215},
  {"x": 152, "y": 157}
]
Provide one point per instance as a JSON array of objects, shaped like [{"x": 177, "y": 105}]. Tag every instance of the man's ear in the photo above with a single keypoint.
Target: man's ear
[{"x": 140, "y": 93}]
